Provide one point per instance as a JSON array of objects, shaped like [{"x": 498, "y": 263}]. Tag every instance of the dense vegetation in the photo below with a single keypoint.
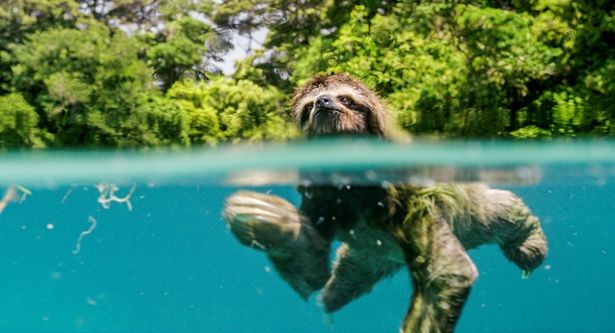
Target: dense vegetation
[{"x": 142, "y": 73}]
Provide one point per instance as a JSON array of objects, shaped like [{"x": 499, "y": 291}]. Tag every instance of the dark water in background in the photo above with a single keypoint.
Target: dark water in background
[{"x": 171, "y": 265}]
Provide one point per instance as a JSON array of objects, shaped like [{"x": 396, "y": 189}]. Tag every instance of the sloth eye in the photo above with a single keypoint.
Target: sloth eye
[{"x": 345, "y": 100}]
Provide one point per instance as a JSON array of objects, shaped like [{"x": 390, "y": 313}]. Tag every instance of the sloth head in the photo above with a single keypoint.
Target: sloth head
[{"x": 338, "y": 104}]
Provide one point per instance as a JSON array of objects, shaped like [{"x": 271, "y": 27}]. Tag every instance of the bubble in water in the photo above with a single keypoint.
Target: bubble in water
[
  {"x": 371, "y": 175},
  {"x": 50, "y": 226}
]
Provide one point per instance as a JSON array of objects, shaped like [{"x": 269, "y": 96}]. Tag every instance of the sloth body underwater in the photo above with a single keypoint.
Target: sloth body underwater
[{"x": 381, "y": 228}]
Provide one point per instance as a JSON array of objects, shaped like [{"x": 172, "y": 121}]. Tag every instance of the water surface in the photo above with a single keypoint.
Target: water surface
[{"x": 166, "y": 262}]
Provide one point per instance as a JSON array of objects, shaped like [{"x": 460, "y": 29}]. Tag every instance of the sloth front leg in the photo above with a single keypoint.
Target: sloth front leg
[
  {"x": 497, "y": 216},
  {"x": 273, "y": 225},
  {"x": 442, "y": 275},
  {"x": 518, "y": 232},
  {"x": 354, "y": 273}
]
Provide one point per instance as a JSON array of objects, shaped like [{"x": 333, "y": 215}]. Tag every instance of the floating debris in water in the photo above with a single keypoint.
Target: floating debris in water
[
  {"x": 24, "y": 193},
  {"x": 107, "y": 195},
  {"x": 70, "y": 190},
  {"x": 85, "y": 233},
  {"x": 9, "y": 195},
  {"x": 371, "y": 175},
  {"x": 91, "y": 301},
  {"x": 13, "y": 194}
]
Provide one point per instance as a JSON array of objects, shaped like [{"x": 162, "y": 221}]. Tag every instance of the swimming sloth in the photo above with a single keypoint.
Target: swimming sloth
[{"x": 381, "y": 228}]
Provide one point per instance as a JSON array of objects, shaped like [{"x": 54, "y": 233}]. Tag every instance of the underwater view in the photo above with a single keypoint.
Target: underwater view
[{"x": 136, "y": 242}]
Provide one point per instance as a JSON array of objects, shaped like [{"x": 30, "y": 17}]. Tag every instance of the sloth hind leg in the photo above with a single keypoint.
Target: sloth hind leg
[
  {"x": 442, "y": 275},
  {"x": 521, "y": 237},
  {"x": 513, "y": 227},
  {"x": 273, "y": 225},
  {"x": 354, "y": 274}
]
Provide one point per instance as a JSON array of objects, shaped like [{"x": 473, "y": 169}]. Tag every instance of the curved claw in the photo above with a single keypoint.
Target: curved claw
[{"x": 259, "y": 220}]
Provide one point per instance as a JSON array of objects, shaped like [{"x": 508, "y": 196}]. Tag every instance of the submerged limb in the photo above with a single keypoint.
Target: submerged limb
[
  {"x": 275, "y": 226},
  {"x": 354, "y": 274},
  {"x": 478, "y": 214},
  {"x": 522, "y": 239},
  {"x": 442, "y": 275}
]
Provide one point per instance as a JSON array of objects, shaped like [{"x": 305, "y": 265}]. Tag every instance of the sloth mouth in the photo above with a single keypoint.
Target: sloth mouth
[{"x": 325, "y": 111}]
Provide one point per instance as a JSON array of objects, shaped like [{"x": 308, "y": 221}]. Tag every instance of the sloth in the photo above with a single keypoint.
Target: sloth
[{"x": 381, "y": 228}]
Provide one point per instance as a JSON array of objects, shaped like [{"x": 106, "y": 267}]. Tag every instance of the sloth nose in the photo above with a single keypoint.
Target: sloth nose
[{"x": 324, "y": 101}]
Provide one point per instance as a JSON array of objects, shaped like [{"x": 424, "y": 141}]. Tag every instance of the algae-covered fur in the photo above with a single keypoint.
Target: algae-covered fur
[{"x": 381, "y": 228}]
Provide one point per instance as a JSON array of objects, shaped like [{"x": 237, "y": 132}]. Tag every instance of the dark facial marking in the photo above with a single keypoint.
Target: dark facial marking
[
  {"x": 305, "y": 114},
  {"x": 346, "y": 101}
]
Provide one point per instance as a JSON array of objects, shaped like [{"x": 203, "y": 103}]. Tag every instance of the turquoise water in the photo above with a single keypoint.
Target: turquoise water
[{"x": 169, "y": 264}]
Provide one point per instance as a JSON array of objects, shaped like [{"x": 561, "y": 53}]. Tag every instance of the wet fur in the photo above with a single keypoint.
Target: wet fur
[{"x": 382, "y": 229}]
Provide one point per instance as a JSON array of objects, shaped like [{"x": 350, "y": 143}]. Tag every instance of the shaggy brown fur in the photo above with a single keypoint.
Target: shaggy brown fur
[{"x": 382, "y": 228}]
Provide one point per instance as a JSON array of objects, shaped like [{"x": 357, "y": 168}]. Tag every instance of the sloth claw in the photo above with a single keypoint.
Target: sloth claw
[{"x": 260, "y": 221}]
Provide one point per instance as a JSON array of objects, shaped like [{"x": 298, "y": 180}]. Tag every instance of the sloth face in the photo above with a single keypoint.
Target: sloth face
[{"x": 338, "y": 105}]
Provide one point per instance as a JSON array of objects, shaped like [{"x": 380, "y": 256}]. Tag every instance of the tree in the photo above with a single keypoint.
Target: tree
[
  {"x": 233, "y": 110},
  {"x": 18, "y": 123}
]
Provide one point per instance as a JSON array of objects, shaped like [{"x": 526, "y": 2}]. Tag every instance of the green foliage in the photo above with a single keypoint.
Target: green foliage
[
  {"x": 89, "y": 84},
  {"x": 229, "y": 110},
  {"x": 18, "y": 123},
  {"x": 453, "y": 70},
  {"x": 135, "y": 73},
  {"x": 458, "y": 69}
]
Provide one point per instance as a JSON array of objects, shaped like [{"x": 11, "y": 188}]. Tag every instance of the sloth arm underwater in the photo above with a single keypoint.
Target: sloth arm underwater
[{"x": 382, "y": 229}]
